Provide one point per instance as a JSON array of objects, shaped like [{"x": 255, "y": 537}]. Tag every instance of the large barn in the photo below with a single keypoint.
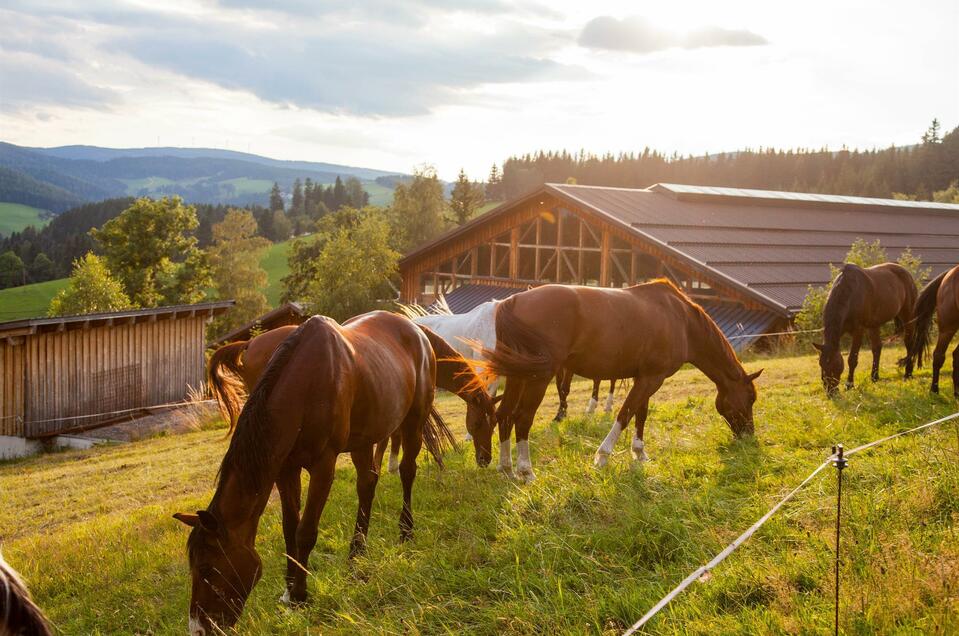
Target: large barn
[{"x": 747, "y": 256}]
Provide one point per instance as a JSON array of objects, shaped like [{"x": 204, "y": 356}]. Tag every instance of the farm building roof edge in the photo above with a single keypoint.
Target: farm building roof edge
[
  {"x": 214, "y": 307},
  {"x": 297, "y": 308}
]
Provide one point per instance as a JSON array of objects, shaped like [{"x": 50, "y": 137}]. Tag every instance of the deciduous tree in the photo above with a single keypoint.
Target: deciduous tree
[
  {"x": 92, "y": 289},
  {"x": 235, "y": 261}
]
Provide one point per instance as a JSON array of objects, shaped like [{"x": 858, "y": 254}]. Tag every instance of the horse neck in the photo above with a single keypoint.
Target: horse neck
[
  {"x": 710, "y": 351},
  {"x": 239, "y": 508},
  {"x": 838, "y": 305}
]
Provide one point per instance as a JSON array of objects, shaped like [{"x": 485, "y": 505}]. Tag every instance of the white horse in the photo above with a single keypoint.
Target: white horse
[{"x": 466, "y": 333}]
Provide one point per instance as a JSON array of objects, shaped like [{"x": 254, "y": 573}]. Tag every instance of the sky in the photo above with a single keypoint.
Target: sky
[{"x": 394, "y": 84}]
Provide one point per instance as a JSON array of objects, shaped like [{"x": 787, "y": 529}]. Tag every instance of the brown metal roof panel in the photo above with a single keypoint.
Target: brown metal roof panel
[
  {"x": 716, "y": 254},
  {"x": 760, "y": 273},
  {"x": 686, "y": 235}
]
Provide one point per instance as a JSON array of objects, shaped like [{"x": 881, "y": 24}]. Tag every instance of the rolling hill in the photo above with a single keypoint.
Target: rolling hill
[{"x": 57, "y": 179}]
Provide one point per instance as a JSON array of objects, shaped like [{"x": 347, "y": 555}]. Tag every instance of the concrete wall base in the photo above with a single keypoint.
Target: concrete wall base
[{"x": 13, "y": 447}]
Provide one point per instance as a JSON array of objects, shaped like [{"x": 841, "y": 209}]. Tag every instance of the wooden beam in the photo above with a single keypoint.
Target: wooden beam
[
  {"x": 514, "y": 252},
  {"x": 604, "y": 259}
]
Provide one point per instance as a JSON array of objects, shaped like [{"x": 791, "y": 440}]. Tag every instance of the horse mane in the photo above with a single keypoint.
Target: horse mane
[
  {"x": 252, "y": 442},
  {"x": 840, "y": 301},
  {"x": 18, "y": 613},
  {"x": 439, "y": 307}
]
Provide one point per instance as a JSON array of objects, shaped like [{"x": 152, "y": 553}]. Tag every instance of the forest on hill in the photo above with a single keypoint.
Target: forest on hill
[{"x": 915, "y": 171}]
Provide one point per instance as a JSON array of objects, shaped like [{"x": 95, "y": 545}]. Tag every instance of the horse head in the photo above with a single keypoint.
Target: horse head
[
  {"x": 735, "y": 403},
  {"x": 831, "y": 367},
  {"x": 480, "y": 422},
  {"x": 223, "y": 570}
]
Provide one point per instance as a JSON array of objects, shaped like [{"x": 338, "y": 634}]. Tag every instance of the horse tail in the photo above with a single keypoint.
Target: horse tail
[
  {"x": 437, "y": 436},
  {"x": 453, "y": 372},
  {"x": 520, "y": 350},
  {"x": 228, "y": 389},
  {"x": 923, "y": 315},
  {"x": 20, "y": 615},
  {"x": 250, "y": 446}
]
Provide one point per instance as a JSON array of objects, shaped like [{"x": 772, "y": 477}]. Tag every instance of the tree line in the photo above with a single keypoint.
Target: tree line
[{"x": 917, "y": 171}]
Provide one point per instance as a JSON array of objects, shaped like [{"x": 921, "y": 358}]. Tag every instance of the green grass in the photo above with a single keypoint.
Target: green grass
[
  {"x": 245, "y": 185},
  {"x": 29, "y": 301},
  {"x": 16, "y": 216},
  {"x": 274, "y": 262},
  {"x": 577, "y": 551},
  {"x": 148, "y": 183}
]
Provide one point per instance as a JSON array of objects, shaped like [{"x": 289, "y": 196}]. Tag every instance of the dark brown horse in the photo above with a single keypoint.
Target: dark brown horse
[
  {"x": 328, "y": 389},
  {"x": 861, "y": 301},
  {"x": 18, "y": 613},
  {"x": 940, "y": 297},
  {"x": 234, "y": 370},
  {"x": 646, "y": 332}
]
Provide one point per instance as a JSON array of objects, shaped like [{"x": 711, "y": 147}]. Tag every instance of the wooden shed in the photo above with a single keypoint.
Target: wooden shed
[{"x": 77, "y": 372}]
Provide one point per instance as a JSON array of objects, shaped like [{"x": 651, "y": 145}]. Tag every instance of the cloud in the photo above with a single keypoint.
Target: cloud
[
  {"x": 29, "y": 81},
  {"x": 636, "y": 34}
]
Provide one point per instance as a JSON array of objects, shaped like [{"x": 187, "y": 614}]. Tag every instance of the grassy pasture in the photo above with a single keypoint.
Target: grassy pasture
[
  {"x": 29, "y": 301},
  {"x": 577, "y": 551},
  {"x": 16, "y": 216}
]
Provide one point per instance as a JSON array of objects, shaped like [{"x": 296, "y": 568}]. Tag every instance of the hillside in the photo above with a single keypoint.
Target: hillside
[
  {"x": 579, "y": 551},
  {"x": 16, "y": 216},
  {"x": 30, "y": 301},
  {"x": 59, "y": 178}
]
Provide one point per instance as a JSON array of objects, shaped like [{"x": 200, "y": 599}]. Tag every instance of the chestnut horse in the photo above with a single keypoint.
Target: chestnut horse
[
  {"x": 235, "y": 368},
  {"x": 18, "y": 613},
  {"x": 941, "y": 297},
  {"x": 328, "y": 389},
  {"x": 645, "y": 332},
  {"x": 863, "y": 300}
]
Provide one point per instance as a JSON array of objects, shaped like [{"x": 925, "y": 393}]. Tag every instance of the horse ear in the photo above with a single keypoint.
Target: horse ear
[
  {"x": 190, "y": 520},
  {"x": 817, "y": 345},
  {"x": 753, "y": 376},
  {"x": 207, "y": 521}
]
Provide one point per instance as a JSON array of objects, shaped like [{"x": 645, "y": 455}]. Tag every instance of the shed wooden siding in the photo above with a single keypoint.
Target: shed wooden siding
[{"x": 58, "y": 375}]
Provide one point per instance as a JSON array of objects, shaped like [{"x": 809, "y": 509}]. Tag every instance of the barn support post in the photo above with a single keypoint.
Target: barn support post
[
  {"x": 604, "y": 259},
  {"x": 514, "y": 253}
]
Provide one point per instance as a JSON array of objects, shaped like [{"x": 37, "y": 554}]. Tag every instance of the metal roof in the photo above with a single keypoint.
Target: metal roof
[
  {"x": 772, "y": 248},
  {"x": 269, "y": 320},
  {"x": 34, "y": 324},
  {"x": 742, "y": 326}
]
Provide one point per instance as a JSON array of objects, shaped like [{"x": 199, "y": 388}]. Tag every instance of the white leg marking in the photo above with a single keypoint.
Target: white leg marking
[
  {"x": 606, "y": 448},
  {"x": 591, "y": 406},
  {"x": 196, "y": 629},
  {"x": 609, "y": 403},
  {"x": 524, "y": 467},
  {"x": 639, "y": 454},
  {"x": 394, "y": 465},
  {"x": 468, "y": 438},
  {"x": 285, "y": 599},
  {"x": 505, "y": 460}
]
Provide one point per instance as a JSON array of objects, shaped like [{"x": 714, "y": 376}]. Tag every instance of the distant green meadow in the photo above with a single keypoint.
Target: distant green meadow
[
  {"x": 16, "y": 216},
  {"x": 578, "y": 551}
]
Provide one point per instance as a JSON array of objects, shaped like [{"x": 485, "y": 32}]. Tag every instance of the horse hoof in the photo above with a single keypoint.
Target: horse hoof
[
  {"x": 640, "y": 456},
  {"x": 526, "y": 475},
  {"x": 849, "y": 386},
  {"x": 600, "y": 459},
  {"x": 285, "y": 599},
  {"x": 506, "y": 470},
  {"x": 394, "y": 465},
  {"x": 934, "y": 389},
  {"x": 560, "y": 416}
]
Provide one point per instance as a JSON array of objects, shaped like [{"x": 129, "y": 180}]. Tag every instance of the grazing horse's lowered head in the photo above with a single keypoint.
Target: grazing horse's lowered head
[
  {"x": 831, "y": 367},
  {"x": 224, "y": 571},
  {"x": 480, "y": 423},
  {"x": 734, "y": 401}
]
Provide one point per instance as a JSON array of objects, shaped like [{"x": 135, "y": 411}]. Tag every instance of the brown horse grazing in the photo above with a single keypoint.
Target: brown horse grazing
[
  {"x": 645, "y": 332},
  {"x": 18, "y": 613},
  {"x": 939, "y": 296},
  {"x": 564, "y": 380},
  {"x": 328, "y": 389},
  {"x": 234, "y": 370},
  {"x": 863, "y": 300}
]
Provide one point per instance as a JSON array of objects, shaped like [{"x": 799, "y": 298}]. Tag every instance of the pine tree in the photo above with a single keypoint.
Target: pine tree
[
  {"x": 339, "y": 195},
  {"x": 276, "y": 199},
  {"x": 465, "y": 199},
  {"x": 297, "y": 207},
  {"x": 494, "y": 185}
]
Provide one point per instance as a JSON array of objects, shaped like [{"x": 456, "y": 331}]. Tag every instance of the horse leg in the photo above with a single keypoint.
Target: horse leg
[
  {"x": 531, "y": 399},
  {"x": 321, "y": 479},
  {"x": 637, "y": 398},
  {"x": 641, "y": 408},
  {"x": 394, "y": 465},
  {"x": 563, "y": 381},
  {"x": 609, "y": 397},
  {"x": 939, "y": 356},
  {"x": 907, "y": 332},
  {"x": 412, "y": 442},
  {"x": 366, "y": 478},
  {"x": 875, "y": 340},
  {"x": 955, "y": 372},
  {"x": 854, "y": 356},
  {"x": 504, "y": 416},
  {"x": 593, "y": 398},
  {"x": 288, "y": 485}
]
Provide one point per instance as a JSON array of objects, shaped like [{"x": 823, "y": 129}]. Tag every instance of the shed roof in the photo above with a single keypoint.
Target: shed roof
[
  {"x": 770, "y": 245},
  {"x": 32, "y": 325},
  {"x": 271, "y": 319}
]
